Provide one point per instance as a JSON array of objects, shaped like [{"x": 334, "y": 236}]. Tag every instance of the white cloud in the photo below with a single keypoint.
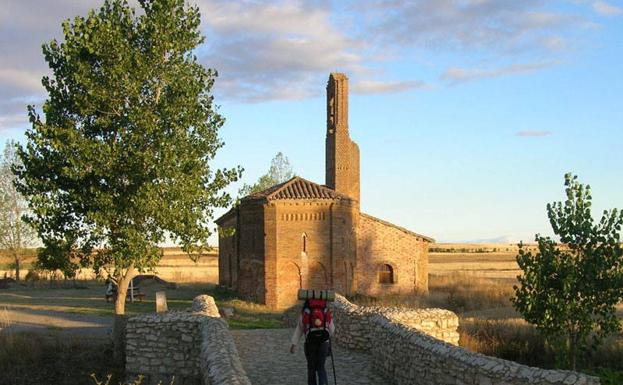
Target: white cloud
[
  {"x": 274, "y": 51},
  {"x": 456, "y": 75},
  {"x": 283, "y": 49},
  {"x": 504, "y": 26},
  {"x": 605, "y": 9},
  {"x": 8, "y": 122},
  {"x": 375, "y": 86},
  {"x": 29, "y": 81},
  {"x": 533, "y": 133}
]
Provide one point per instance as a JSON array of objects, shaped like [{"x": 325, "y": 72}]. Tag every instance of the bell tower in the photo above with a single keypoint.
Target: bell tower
[{"x": 342, "y": 154}]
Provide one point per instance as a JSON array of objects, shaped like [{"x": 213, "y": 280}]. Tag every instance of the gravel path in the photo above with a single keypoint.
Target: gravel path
[
  {"x": 266, "y": 358},
  {"x": 56, "y": 322}
]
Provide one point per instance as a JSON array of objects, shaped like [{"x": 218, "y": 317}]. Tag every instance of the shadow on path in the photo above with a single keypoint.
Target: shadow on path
[{"x": 266, "y": 358}]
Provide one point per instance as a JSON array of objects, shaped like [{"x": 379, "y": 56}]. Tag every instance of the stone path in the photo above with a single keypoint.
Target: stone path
[{"x": 266, "y": 358}]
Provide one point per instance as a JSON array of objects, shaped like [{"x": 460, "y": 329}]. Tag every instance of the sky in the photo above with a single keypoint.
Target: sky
[{"x": 468, "y": 113}]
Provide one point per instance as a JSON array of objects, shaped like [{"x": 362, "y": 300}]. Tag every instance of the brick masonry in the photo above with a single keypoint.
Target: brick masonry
[
  {"x": 303, "y": 235},
  {"x": 381, "y": 243}
]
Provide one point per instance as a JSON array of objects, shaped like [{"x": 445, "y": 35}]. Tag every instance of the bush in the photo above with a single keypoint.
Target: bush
[{"x": 33, "y": 275}]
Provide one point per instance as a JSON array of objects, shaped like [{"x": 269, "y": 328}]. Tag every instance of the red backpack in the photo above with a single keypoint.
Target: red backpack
[{"x": 316, "y": 317}]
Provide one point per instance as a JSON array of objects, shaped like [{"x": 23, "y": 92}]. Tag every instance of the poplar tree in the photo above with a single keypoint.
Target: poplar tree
[
  {"x": 120, "y": 160},
  {"x": 15, "y": 235},
  {"x": 570, "y": 290},
  {"x": 280, "y": 171}
]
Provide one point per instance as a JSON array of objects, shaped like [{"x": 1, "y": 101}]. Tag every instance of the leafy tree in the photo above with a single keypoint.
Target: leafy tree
[
  {"x": 15, "y": 234},
  {"x": 61, "y": 255},
  {"x": 121, "y": 161},
  {"x": 280, "y": 171},
  {"x": 570, "y": 291}
]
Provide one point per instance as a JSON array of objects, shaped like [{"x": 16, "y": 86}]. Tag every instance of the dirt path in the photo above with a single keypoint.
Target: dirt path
[
  {"x": 47, "y": 321},
  {"x": 267, "y": 361}
]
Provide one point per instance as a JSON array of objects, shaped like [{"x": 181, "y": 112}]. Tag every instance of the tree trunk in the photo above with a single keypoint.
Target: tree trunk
[
  {"x": 574, "y": 351},
  {"x": 17, "y": 268},
  {"x": 118, "y": 334},
  {"x": 118, "y": 330}
]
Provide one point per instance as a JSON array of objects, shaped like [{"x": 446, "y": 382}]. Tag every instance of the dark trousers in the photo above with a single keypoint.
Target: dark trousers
[{"x": 316, "y": 355}]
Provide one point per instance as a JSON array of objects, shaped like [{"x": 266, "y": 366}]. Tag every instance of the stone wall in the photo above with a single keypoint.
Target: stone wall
[
  {"x": 355, "y": 330},
  {"x": 404, "y": 351},
  {"x": 194, "y": 347}
]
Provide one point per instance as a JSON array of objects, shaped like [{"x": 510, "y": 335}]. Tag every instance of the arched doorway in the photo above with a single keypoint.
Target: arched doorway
[
  {"x": 318, "y": 278},
  {"x": 290, "y": 281}
]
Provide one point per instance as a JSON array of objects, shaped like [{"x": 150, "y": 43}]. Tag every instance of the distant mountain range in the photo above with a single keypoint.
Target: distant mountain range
[{"x": 499, "y": 240}]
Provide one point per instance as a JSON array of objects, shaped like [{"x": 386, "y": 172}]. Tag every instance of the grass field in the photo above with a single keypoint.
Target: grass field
[
  {"x": 88, "y": 298},
  {"x": 175, "y": 266},
  {"x": 34, "y": 359},
  {"x": 475, "y": 281},
  {"x": 491, "y": 264}
]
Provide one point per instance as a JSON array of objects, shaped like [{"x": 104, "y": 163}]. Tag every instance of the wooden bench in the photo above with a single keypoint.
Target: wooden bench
[{"x": 137, "y": 294}]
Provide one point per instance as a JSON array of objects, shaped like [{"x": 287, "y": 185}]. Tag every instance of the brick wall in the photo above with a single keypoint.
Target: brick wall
[
  {"x": 284, "y": 245},
  {"x": 251, "y": 278},
  {"x": 313, "y": 239},
  {"x": 381, "y": 243},
  {"x": 228, "y": 250}
]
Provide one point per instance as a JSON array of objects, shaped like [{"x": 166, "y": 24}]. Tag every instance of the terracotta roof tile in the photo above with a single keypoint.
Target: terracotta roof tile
[
  {"x": 428, "y": 239},
  {"x": 297, "y": 188}
]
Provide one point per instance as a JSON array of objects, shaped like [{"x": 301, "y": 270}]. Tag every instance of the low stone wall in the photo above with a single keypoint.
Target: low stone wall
[
  {"x": 420, "y": 347},
  {"x": 355, "y": 331},
  {"x": 194, "y": 347}
]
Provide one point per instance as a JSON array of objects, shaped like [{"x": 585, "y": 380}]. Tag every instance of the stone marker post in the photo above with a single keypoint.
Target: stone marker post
[{"x": 161, "y": 302}]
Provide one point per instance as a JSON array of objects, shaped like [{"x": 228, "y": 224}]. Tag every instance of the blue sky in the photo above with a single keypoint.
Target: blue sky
[{"x": 467, "y": 113}]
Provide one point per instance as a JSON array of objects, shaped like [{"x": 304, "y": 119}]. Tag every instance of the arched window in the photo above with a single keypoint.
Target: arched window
[{"x": 386, "y": 274}]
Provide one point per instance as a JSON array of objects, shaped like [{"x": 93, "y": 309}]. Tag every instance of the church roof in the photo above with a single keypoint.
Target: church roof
[
  {"x": 428, "y": 239},
  {"x": 296, "y": 188}
]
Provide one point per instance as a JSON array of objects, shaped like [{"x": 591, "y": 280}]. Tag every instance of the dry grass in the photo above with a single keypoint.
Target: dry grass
[
  {"x": 247, "y": 314},
  {"x": 463, "y": 293},
  {"x": 490, "y": 325},
  {"x": 175, "y": 266},
  {"x": 490, "y": 264},
  {"x": 5, "y": 320},
  {"x": 459, "y": 292},
  {"x": 511, "y": 339},
  {"x": 29, "y": 359},
  {"x": 514, "y": 339}
]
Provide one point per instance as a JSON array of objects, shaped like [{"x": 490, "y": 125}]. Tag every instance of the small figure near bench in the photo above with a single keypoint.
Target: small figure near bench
[{"x": 111, "y": 289}]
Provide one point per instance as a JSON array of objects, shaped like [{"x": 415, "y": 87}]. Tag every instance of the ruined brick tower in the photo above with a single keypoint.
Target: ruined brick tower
[{"x": 342, "y": 154}]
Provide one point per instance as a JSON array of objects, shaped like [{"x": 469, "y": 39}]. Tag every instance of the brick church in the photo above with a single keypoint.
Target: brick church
[{"x": 300, "y": 234}]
